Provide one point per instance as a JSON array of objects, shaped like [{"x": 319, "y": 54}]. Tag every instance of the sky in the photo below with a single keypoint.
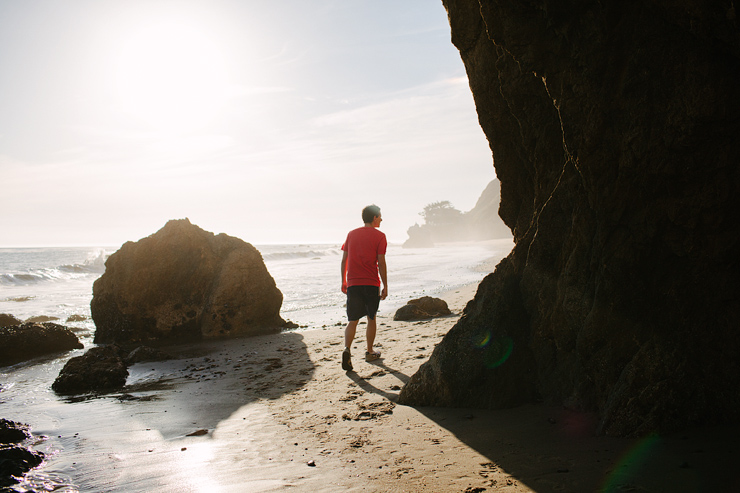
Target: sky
[{"x": 275, "y": 121}]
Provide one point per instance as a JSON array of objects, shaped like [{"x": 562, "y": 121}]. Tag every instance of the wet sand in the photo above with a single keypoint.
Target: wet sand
[{"x": 278, "y": 413}]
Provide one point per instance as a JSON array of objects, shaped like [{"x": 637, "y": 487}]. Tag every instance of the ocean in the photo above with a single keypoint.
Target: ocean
[{"x": 57, "y": 282}]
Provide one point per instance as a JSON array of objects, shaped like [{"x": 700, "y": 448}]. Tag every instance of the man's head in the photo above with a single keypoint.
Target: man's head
[{"x": 369, "y": 214}]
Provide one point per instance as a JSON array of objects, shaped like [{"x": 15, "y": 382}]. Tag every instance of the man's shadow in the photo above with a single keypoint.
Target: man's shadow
[{"x": 364, "y": 384}]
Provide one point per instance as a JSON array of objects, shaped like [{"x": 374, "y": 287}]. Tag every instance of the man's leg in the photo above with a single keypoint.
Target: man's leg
[
  {"x": 349, "y": 336},
  {"x": 349, "y": 333},
  {"x": 370, "y": 333}
]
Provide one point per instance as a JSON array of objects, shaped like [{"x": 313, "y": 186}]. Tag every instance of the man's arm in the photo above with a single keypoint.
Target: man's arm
[
  {"x": 344, "y": 271},
  {"x": 383, "y": 271}
]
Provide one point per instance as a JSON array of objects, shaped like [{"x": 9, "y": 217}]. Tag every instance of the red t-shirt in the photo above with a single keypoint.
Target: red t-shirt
[{"x": 363, "y": 245}]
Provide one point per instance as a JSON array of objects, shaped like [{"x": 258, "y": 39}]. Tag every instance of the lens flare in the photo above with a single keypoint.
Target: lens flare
[
  {"x": 496, "y": 349},
  {"x": 630, "y": 464},
  {"x": 482, "y": 339}
]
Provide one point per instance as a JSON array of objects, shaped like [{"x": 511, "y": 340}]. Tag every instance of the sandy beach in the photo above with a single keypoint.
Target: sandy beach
[{"x": 277, "y": 412}]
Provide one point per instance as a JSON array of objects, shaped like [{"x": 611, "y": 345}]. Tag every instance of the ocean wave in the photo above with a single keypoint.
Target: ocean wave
[
  {"x": 296, "y": 253},
  {"x": 94, "y": 265},
  {"x": 19, "y": 299},
  {"x": 28, "y": 277}
]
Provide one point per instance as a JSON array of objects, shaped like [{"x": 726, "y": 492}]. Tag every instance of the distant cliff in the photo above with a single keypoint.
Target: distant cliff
[
  {"x": 614, "y": 127},
  {"x": 482, "y": 222}
]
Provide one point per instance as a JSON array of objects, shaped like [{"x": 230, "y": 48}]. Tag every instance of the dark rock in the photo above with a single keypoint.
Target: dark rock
[
  {"x": 410, "y": 312},
  {"x": 30, "y": 340},
  {"x": 485, "y": 335},
  {"x": 184, "y": 284},
  {"x": 76, "y": 318},
  {"x": 16, "y": 461},
  {"x": 146, "y": 353},
  {"x": 99, "y": 369},
  {"x": 6, "y": 320},
  {"x": 422, "y": 308},
  {"x": 12, "y": 432},
  {"x": 436, "y": 307},
  {"x": 41, "y": 319},
  {"x": 613, "y": 127}
]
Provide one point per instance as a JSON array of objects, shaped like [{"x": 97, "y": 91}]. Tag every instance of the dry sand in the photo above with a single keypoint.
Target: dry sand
[{"x": 277, "y": 413}]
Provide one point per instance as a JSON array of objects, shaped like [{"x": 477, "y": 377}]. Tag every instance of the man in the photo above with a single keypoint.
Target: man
[{"x": 363, "y": 267}]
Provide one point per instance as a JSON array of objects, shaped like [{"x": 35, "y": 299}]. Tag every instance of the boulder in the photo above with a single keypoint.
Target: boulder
[
  {"x": 614, "y": 132},
  {"x": 29, "y": 340},
  {"x": 410, "y": 312},
  {"x": 13, "y": 432},
  {"x": 41, "y": 319},
  {"x": 15, "y": 460},
  {"x": 6, "y": 320},
  {"x": 100, "y": 369},
  {"x": 76, "y": 318},
  {"x": 436, "y": 307},
  {"x": 184, "y": 284},
  {"x": 422, "y": 308}
]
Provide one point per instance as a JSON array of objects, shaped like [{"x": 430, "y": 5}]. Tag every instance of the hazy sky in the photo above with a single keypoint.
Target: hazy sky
[{"x": 274, "y": 121}]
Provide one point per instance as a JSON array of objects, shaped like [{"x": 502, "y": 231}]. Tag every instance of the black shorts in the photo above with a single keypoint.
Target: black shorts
[{"x": 362, "y": 301}]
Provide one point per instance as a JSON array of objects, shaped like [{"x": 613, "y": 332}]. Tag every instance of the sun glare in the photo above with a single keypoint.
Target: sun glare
[{"x": 171, "y": 76}]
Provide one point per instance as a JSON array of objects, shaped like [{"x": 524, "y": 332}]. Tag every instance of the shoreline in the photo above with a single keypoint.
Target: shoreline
[{"x": 276, "y": 412}]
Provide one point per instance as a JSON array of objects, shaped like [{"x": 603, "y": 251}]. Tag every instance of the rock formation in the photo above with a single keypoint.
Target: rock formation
[
  {"x": 7, "y": 319},
  {"x": 12, "y": 432},
  {"x": 30, "y": 340},
  {"x": 422, "y": 308},
  {"x": 614, "y": 129},
  {"x": 39, "y": 319},
  {"x": 100, "y": 369},
  {"x": 15, "y": 458},
  {"x": 479, "y": 223},
  {"x": 482, "y": 220},
  {"x": 184, "y": 284},
  {"x": 419, "y": 237}
]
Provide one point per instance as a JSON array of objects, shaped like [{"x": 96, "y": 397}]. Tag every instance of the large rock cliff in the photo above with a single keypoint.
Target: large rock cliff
[
  {"x": 184, "y": 284},
  {"x": 614, "y": 129}
]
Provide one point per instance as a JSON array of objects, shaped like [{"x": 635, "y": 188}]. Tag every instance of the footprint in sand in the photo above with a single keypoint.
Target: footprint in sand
[
  {"x": 273, "y": 364},
  {"x": 359, "y": 441},
  {"x": 374, "y": 410},
  {"x": 488, "y": 468}
]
